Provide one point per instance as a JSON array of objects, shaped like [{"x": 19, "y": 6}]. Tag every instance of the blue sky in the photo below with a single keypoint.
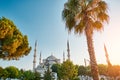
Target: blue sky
[{"x": 41, "y": 20}]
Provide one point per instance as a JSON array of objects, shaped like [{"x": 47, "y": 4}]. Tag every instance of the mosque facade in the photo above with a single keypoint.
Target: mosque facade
[{"x": 44, "y": 64}]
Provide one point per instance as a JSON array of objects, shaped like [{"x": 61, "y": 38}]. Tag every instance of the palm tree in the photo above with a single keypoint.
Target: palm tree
[{"x": 86, "y": 16}]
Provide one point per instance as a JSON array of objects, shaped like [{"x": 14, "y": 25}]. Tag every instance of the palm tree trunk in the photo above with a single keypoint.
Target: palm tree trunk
[{"x": 94, "y": 67}]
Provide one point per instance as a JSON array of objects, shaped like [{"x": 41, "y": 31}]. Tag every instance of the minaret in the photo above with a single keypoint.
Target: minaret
[
  {"x": 34, "y": 61},
  {"x": 85, "y": 62},
  {"x": 40, "y": 59},
  {"x": 107, "y": 56},
  {"x": 68, "y": 50},
  {"x": 63, "y": 56}
]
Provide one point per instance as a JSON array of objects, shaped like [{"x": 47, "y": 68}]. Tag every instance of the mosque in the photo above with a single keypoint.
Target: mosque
[{"x": 48, "y": 62}]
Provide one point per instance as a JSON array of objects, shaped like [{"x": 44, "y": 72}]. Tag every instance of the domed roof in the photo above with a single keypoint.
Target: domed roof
[{"x": 51, "y": 57}]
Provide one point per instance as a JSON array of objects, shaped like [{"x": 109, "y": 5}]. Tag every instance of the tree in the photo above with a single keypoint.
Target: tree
[
  {"x": 102, "y": 69},
  {"x": 47, "y": 75},
  {"x": 68, "y": 70},
  {"x": 88, "y": 69},
  {"x": 86, "y": 16},
  {"x": 37, "y": 76},
  {"x": 20, "y": 74},
  {"x": 5, "y": 74},
  {"x": 76, "y": 78},
  {"x": 56, "y": 68},
  {"x": 1, "y": 71},
  {"x": 12, "y": 71},
  {"x": 114, "y": 71},
  {"x": 28, "y": 75},
  {"x": 82, "y": 70},
  {"x": 13, "y": 44}
]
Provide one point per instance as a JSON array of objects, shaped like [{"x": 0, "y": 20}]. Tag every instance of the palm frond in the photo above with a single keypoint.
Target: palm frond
[
  {"x": 68, "y": 14},
  {"x": 94, "y": 13},
  {"x": 98, "y": 25},
  {"x": 79, "y": 28},
  {"x": 103, "y": 17},
  {"x": 65, "y": 13},
  {"x": 70, "y": 22},
  {"x": 68, "y": 17},
  {"x": 102, "y": 6},
  {"x": 79, "y": 16},
  {"x": 73, "y": 5}
]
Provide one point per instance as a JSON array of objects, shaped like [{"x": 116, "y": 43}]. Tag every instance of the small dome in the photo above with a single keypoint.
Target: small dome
[{"x": 40, "y": 66}]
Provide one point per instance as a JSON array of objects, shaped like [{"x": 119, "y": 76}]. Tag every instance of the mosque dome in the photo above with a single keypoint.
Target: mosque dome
[{"x": 51, "y": 57}]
